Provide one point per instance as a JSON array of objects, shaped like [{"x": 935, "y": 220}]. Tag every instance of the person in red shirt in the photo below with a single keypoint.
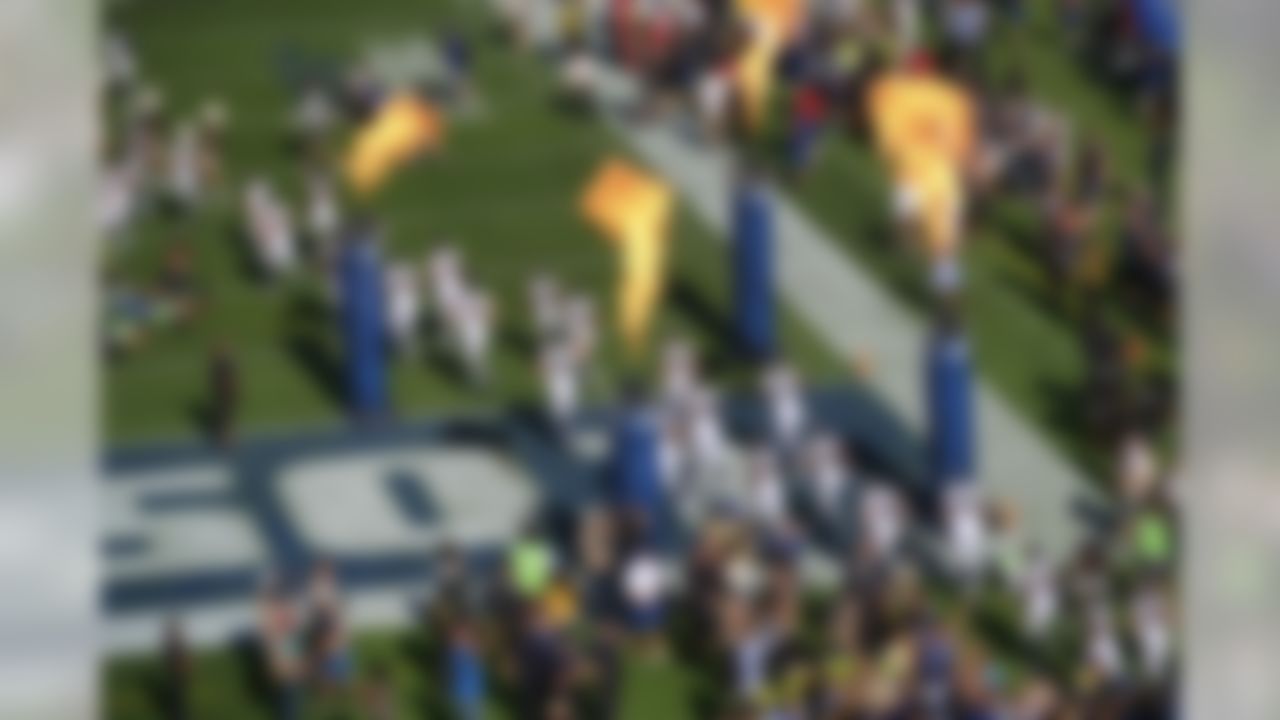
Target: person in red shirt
[{"x": 807, "y": 117}]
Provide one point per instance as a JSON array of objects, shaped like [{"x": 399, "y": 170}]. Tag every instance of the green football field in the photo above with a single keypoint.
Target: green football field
[{"x": 504, "y": 190}]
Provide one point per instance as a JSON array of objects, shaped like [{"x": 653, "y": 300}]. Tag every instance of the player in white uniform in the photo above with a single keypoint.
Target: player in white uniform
[
  {"x": 966, "y": 534},
  {"x": 829, "y": 479},
  {"x": 448, "y": 285},
  {"x": 323, "y": 215},
  {"x": 882, "y": 521},
  {"x": 118, "y": 197},
  {"x": 546, "y": 308},
  {"x": 185, "y": 184},
  {"x": 270, "y": 228},
  {"x": 404, "y": 306},
  {"x": 766, "y": 494},
  {"x": 473, "y": 332},
  {"x": 560, "y": 388},
  {"x": 1038, "y": 588},
  {"x": 785, "y": 403}
]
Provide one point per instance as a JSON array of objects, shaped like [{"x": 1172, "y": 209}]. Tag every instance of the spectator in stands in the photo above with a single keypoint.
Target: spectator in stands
[
  {"x": 1104, "y": 654},
  {"x": 645, "y": 588},
  {"x": 1147, "y": 257},
  {"x": 1148, "y": 536},
  {"x": 840, "y": 659},
  {"x": 634, "y": 472},
  {"x": 597, "y": 563},
  {"x": 1005, "y": 550},
  {"x": 465, "y": 672},
  {"x": 965, "y": 25},
  {"x": 561, "y": 602},
  {"x": 933, "y": 665},
  {"x": 713, "y": 97},
  {"x": 331, "y": 657},
  {"x": 806, "y": 120},
  {"x": 1153, "y": 622},
  {"x": 542, "y": 665},
  {"x": 751, "y": 641},
  {"x": 599, "y": 674},
  {"x": 458, "y": 590},
  {"x": 531, "y": 564},
  {"x": 281, "y": 642}
]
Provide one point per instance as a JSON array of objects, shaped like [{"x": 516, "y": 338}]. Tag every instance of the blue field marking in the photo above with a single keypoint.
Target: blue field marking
[
  {"x": 115, "y": 548},
  {"x": 564, "y": 483},
  {"x": 416, "y": 502}
]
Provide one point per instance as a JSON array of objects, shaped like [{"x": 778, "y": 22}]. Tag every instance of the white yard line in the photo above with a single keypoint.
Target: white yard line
[{"x": 217, "y": 625}]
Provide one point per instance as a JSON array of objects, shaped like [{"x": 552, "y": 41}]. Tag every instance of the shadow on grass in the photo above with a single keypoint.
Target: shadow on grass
[
  {"x": 425, "y": 655},
  {"x": 246, "y": 264},
  {"x": 1064, "y": 410},
  {"x": 711, "y": 322},
  {"x": 253, "y": 671},
  {"x": 310, "y": 343},
  {"x": 201, "y": 414},
  {"x": 689, "y": 638}
]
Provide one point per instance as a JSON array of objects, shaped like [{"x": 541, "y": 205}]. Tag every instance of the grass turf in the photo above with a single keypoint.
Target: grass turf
[
  {"x": 504, "y": 190},
  {"x": 653, "y": 687}
]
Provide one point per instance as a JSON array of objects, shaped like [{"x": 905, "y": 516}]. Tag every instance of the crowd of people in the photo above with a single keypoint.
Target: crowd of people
[
  {"x": 980, "y": 625},
  {"x": 937, "y": 607}
]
